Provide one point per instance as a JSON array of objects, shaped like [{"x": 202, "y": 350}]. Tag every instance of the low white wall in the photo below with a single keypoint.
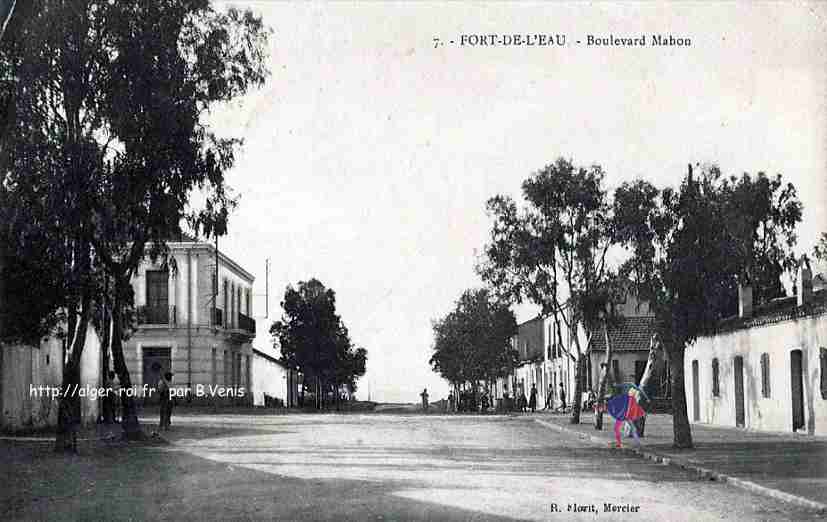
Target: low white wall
[
  {"x": 25, "y": 368},
  {"x": 268, "y": 378},
  {"x": 773, "y": 413}
]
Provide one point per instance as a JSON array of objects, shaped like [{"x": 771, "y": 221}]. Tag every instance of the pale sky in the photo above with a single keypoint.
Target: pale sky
[{"x": 369, "y": 154}]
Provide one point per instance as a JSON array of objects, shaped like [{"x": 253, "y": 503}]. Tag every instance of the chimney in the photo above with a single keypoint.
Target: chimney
[
  {"x": 744, "y": 301},
  {"x": 805, "y": 282}
]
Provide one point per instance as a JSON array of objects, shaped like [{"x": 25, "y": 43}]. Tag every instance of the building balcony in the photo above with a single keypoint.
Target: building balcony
[
  {"x": 157, "y": 314},
  {"x": 217, "y": 317},
  {"x": 247, "y": 323}
]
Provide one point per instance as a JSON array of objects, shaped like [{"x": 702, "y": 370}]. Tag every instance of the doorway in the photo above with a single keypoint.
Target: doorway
[
  {"x": 157, "y": 361},
  {"x": 738, "y": 371},
  {"x": 696, "y": 393},
  {"x": 797, "y": 388}
]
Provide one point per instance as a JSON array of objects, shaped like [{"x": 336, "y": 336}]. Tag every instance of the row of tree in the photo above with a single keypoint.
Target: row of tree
[
  {"x": 573, "y": 247},
  {"x": 104, "y": 141},
  {"x": 472, "y": 344},
  {"x": 313, "y": 340}
]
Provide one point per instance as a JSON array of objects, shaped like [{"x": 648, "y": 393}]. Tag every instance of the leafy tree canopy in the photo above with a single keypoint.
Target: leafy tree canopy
[
  {"x": 473, "y": 342},
  {"x": 313, "y": 339}
]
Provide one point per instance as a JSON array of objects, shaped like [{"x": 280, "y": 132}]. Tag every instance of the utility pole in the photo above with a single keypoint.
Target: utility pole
[{"x": 267, "y": 288}]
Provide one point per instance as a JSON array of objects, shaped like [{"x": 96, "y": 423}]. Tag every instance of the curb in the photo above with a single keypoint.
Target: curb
[{"x": 701, "y": 471}]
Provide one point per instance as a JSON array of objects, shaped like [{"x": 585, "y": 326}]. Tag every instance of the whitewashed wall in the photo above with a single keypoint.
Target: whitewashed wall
[{"x": 807, "y": 334}]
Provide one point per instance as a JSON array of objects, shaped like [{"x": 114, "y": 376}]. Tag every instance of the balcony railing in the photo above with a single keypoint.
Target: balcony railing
[
  {"x": 247, "y": 323},
  {"x": 217, "y": 317},
  {"x": 159, "y": 314}
]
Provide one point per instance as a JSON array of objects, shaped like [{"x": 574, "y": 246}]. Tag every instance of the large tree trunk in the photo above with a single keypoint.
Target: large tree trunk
[
  {"x": 654, "y": 364},
  {"x": 680, "y": 419},
  {"x": 129, "y": 414},
  {"x": 604, "y": 377},
  {"x": 108, "y": 414},
  {"x": 580, "y": 367},
  {"x": 68, "y": 417}
]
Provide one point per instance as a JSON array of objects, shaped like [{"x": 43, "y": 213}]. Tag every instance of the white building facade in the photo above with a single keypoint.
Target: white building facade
[
  {"x": 196, "y": 321},
  {"x": 766, "y": 369}
]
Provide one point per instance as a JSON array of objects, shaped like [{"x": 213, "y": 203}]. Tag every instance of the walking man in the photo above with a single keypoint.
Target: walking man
[
  {"x": 424, "y": 396},
  {"x": 532, "y": 400},
  {"x": 550, "y": 398},
  {"x": 165, "y": 396},
  {"x": 562, "y": 397}
]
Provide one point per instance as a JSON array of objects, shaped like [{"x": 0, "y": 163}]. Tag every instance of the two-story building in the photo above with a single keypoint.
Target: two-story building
[
  {"x": 545, "y": 359},
  {"x": 629, "y": 335},
  {"x": 195, "y": 318},
  {"x": 548, "y": 356}
]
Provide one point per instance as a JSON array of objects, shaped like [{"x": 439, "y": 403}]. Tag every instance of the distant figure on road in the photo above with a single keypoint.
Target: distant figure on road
[
  {"x": 532, "y": 401},
  {"x": 451, "y": 402},
  {"x": 562, "y": 397},
  {"x": 523, "y": 401},
  {"x": 550, "y": 398},
  {"x": 165, "y": 396},
  {"x": 424, "y": 396}
]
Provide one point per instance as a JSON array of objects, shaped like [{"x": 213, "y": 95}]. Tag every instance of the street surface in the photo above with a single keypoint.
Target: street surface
[{"x": 364, "y": 467}]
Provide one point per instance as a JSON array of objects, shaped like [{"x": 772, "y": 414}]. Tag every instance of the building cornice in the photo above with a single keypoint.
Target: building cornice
[{"x": 183, "y": 246}]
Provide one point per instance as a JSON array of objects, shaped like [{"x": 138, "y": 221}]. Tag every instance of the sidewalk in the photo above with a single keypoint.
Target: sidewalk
[{"x": 789, "y": 467}]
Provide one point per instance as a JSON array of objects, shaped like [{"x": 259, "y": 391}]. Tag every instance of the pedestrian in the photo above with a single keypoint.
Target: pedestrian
[
  {"x": 115, "y": 399},
  {"x": 523, "y": 401},
  {"x": 625, "y": 409},
  {"x": 165, "y": 396},
  {"x": 550, "y": 397},
  {"x": 562, "y": 395},
  {"x": 532, "y": 401},
  {"x": 424, "y": 396},
  {"x": 451, "y": 402}
]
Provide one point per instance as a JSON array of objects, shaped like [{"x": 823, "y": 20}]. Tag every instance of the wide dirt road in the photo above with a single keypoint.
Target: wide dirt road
[{"x": 361, "y": 467}]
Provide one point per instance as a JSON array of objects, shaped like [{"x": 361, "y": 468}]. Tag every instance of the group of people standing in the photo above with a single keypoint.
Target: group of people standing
[
  {"x": 525, "y": 404},
  {"x": 470, "y": 401}
]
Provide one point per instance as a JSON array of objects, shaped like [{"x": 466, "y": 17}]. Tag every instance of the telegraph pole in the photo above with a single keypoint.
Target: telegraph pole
[{"x": 267, "y": 288}]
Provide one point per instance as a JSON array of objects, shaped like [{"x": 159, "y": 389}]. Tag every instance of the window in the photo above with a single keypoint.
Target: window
[
  {"x": 214, "y": 367},
  {"x": 227, "y": 374},
  {"x": 823, "y": 357},
  {"x": 157, "y": 297},
  {"x": 157, "y": 288},
  {"x": 716, "y": 389},
  {"x": 765, "y": 375},
  {"x": 226, "y": 304}
]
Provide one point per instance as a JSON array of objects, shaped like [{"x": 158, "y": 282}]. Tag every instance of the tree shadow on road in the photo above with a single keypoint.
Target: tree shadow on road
[{"x": 165, "y": 484}]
